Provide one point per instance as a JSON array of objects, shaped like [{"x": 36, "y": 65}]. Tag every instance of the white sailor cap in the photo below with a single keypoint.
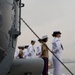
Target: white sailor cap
[
  {"x": 44, "y": 37},
  {"x": 33, "y": 40}
]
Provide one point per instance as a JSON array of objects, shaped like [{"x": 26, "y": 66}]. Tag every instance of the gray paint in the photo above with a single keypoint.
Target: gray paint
[
  {"x": 6, "y": 49},
  {"x": 1, "y": 21},
  {"x": 8, "y": 44},
  {"x": 22, "y": 66}
]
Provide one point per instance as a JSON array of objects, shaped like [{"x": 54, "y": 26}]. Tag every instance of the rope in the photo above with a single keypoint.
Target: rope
[{"x": 47, "y": 47}]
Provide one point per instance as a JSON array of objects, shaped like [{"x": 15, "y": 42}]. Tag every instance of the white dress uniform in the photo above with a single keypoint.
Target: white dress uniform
[
  {"x": 25, "y": 52},
  {"x": 39, "y": 52},
  {"x": 57, "y": 49},
  {"x": 31, "y": 52},
  {"x": 16, "y": 54}
]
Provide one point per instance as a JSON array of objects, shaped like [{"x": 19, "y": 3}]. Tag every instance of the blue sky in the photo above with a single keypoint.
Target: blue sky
[{"x": 46, "y": 16}]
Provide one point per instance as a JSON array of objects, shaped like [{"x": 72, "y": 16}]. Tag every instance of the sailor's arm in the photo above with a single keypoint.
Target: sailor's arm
[
  {"x": 62, "y": 47},
  {"x": 38, "y": 50},
  {"x": 30, "y": 51},
  {"x": 56, "y": 46}
]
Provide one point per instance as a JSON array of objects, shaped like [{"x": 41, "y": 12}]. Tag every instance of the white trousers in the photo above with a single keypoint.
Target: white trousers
[{"x": 57, "y": 66}]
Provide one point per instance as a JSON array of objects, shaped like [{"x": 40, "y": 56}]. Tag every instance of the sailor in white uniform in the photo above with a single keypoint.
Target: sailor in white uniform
[
  {"x": 16, "y": 53},
  {"x": 19, "y": 52},
  {"x": 31, "y": 50},
  {"x": 57, "y": 49},
  {"x": 39, "y": 47},
  {"x": 25, "y": 52}
]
